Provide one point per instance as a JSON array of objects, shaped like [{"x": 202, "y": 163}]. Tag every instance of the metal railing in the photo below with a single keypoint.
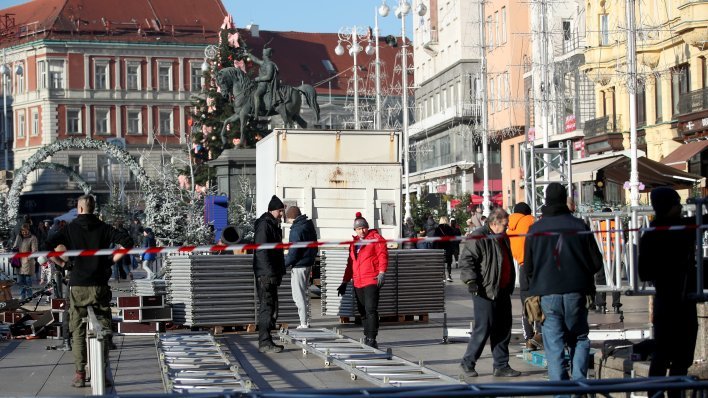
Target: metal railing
[
  {"x": 96, "y": 338},
  {"x": 602, "y": 125},
  {"x": 693, "y": 101}
]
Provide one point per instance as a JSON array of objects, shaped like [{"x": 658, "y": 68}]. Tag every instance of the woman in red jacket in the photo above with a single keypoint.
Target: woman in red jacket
[{"x": 366, "y": 265}]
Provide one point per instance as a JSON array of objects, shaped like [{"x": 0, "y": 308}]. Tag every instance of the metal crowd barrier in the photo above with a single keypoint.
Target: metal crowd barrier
[{"x": 95, "y": 343}]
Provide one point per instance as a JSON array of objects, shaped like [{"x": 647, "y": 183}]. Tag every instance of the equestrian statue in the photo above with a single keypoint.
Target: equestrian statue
[{"x": 263, "y": 96}]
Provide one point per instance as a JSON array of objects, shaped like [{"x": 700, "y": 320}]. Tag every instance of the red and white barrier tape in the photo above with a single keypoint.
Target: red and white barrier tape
[{"x": 316, "y": 244}]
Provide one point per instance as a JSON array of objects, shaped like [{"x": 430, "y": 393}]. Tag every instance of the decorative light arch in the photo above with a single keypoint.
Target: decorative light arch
[
  {"x": 116, "y": 153},
  {"x": 69, "y": 172}
]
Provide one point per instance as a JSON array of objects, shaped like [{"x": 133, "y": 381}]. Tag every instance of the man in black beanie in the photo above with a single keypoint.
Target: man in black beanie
[
  {"x": 561, "y": 268},
  {"x": 269, "y": 268},
  {"x": 667, "y": 259}
]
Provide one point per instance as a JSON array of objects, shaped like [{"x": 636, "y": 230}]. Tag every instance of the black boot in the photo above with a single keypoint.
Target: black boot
[{"x": 371, "y": 343}]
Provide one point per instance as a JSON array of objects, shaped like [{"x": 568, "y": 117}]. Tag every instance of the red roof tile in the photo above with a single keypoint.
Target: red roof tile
[
  {"x": 172, "y": 21},
  {"x": 300, "y": 57}
]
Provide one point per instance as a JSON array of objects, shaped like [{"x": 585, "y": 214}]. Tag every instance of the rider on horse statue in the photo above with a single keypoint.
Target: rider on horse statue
[{"x": 268, "y": 84}]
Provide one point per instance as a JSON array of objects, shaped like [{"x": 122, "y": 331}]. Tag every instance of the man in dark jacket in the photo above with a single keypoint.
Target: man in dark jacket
[
  {"x": 487, "y": 268},
  {"x": 301, "y": 260},
  {"x": 89, "y": 275},
  {"x": 561, "y": 268},
  {"x": 667, "y": 258},
  {"x": 269, "y": 268}
]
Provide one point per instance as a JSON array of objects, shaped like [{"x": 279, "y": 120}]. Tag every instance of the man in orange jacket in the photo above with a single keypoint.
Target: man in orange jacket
[
  {"x": 519, "y": 223},
  {"x": 366, "y": 265}
]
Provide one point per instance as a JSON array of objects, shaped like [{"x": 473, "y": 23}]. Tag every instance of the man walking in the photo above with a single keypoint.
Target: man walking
[
  {"x": 301, "y": 260},
  {"x": 366, "y": 265},
  {"x": 89, "y": 275},
  {"x": 269, "y": 268},
  {"x": 667, "y": 259},
  {"x": 487, "y": 268},
  {"x": 561, "y": 268}
]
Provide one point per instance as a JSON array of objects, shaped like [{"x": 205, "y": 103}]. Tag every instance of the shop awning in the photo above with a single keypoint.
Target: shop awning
[
  {"x": 587, "y": 170},
  {"x": 617, "y": 168},
  {"x": 682, "y": 154}
]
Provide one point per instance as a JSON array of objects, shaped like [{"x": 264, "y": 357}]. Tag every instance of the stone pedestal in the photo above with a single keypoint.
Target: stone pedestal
[
  {"x": 700, "y": 356},
  {"x": 232, "y": 167}
]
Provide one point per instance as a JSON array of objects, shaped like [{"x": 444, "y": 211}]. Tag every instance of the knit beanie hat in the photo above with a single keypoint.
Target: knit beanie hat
[
  {"x": 360, "y": 221},
  {"x": 275, "y": 204},
  {"x": 522, "y": 208},
  {"x": 556, "y": 194},
  {"x": 663, "y": 199}
]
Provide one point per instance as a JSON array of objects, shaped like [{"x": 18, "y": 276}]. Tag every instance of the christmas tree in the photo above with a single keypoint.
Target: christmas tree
[{"x": 211, "y": 108}]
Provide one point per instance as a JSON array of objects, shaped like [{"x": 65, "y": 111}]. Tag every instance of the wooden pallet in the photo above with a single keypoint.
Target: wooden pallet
[{"x": 240, "y": 329}]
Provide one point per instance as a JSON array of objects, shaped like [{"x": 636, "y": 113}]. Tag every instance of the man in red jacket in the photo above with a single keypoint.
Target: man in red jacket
[{"x": 366, "y": 265}]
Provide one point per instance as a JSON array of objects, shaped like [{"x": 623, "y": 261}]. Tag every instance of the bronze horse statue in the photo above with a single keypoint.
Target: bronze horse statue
[{"x": 233, "y": 81}]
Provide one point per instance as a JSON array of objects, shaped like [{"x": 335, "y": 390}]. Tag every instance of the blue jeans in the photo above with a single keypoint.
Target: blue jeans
[
  {"x": 566, "y": 324},
  {"x": 25, "y": 282}
]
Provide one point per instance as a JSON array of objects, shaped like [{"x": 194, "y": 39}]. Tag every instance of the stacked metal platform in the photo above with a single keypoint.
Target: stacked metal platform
[
  {"x": 149, "y": 287},
  {"x": 414, "y": 283},
  {"x": 195, "y": 363},
  {"x": 212, "y": 290},
  {"x": 379, "y": 367}
]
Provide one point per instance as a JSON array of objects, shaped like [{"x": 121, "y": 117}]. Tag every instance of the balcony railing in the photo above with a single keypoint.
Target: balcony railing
[
  {"x": 602, "y": 125},
  {"x": 570, "y": 43},
  {"x": 694, "y": 101},
  {"x": 430, "y": 36}
]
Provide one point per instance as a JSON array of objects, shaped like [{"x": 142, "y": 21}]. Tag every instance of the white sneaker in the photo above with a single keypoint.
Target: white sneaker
[{"x": 303, "y": 327}]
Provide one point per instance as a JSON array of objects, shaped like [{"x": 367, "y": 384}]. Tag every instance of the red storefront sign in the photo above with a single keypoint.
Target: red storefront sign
[{"x": 569, "y": 123}]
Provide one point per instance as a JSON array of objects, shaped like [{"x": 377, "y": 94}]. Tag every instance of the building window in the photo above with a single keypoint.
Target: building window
[
  {"x": 704, "y": 71},
  {"x": 134, "y": 118},
  {"x": 503, "y": 24},
  {"x": 507, "y": 90},
  {"x": 73, "y": 121},
  {"x": 103, "y": 166},
  {"x": 164, "y": 77},
  {"x": 102, "y": 121},
  {"x": 658, "y": 104},
  {"x": 492, "y": 99},
  {"x": 680, "y": 83},
  {"x": 132, "y": 73},
  {"x": 512, "y": 154},
  {"x": 567, "y": 36},
  {"x": 74, "y": 163},
  {"x": 497, "y": 35},
  {"x": 195, "y": 73},
  {"x": 166, "y": 123},
  {"x": 100, "y": 75},
  {"x": 42, "y": 74},
  {"x": 500, "y": 92},
  {"x": 490, "y": 33},
  {"x": 165, "y": 160},
  {"x": 35, "y": 123},
  {"x": 444, "y": 98},
  {"x": 56, "y": 75},
  {"x": 20, "y": 79},
  {"x": 641, "y": 106},
  {"x": 604, "y": 30},
  {"x": 20, "y": 124}
]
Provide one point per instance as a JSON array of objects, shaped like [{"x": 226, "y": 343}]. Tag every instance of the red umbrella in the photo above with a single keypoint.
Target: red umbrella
[
  {"x": 476, "y": 199},
  {"x": 498, "y": 199}
]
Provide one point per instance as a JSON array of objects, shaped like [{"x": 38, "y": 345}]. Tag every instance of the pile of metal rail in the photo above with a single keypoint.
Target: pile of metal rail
[
  {"x": 212, "y": 290},
  {"x": 414, "y": 283},
  {"x": 149, "y": 287},
  {"x": 381, "y": 368},
  {"x": 195, "y": 363}
]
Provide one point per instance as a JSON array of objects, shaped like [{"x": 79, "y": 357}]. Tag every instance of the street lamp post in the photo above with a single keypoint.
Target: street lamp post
[
  {"x": 352, "y": 37},
  {"x": 401, "y": 12}
]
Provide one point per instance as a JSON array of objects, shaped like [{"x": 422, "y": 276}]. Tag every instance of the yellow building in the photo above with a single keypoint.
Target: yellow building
[{"x": 672, "y": 98}]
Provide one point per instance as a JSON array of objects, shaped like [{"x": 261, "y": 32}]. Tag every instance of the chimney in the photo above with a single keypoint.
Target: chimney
[{"x": 254, "y": 29}]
